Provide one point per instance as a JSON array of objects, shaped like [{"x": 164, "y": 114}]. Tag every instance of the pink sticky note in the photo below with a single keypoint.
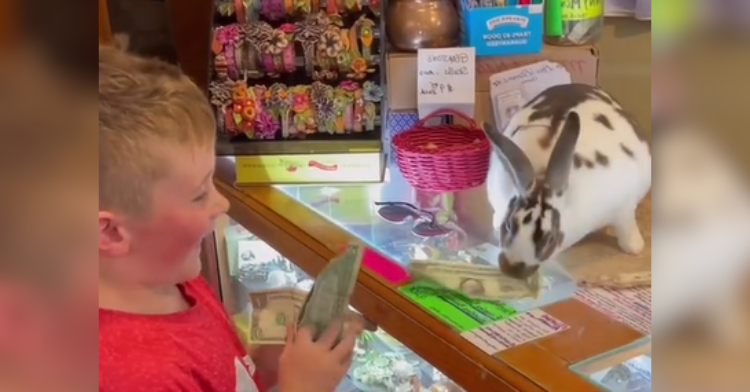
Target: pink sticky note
[{"x": 388, "y": 269}]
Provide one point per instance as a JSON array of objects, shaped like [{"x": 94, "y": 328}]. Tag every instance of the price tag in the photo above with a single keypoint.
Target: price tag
[
  {"x": 506, "y": 105},
  {"x": 446, "y": 79}
]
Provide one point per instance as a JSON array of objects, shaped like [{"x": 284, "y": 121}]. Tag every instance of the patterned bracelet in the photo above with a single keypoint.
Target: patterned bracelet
[{"x": 288, "y": 54}]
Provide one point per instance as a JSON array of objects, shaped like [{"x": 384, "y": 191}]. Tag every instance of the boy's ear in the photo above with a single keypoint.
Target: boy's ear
[{"x": 114, "y": 239}]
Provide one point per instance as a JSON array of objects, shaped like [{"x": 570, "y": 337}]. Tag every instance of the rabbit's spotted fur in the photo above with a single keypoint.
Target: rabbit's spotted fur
[{"x": 569, "y": 163}]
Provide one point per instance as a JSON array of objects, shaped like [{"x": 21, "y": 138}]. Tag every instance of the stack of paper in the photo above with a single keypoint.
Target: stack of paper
[{"x": 510, "y": 90}]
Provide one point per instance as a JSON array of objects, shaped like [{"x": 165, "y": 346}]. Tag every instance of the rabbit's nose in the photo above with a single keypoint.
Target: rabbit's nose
[{"x": 518, "y": 270}]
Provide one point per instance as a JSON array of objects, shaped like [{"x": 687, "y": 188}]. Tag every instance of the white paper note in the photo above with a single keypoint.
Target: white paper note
[
  {"x": 631, "y": 307},
  {"x": 446, "y": 79},
  {"x": 515, "y": 331},
  {"x": 512, "y": 89}
]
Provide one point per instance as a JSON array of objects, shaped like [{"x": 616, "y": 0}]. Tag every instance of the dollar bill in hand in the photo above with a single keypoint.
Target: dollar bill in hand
[
  {"x": 272, "y": 311},
  {"x": 328, "y": 301},
  {"x": 477, "y": 281}
]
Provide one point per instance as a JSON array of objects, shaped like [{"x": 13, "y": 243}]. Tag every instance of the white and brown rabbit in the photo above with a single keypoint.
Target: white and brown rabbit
[{"x": 569, "y": 163}]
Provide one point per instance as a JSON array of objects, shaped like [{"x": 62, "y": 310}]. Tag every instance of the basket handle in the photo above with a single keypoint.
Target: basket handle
[{"x": 446, "y": 112}]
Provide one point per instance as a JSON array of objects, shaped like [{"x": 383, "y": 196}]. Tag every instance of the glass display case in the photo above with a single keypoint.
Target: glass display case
[
  {"x": 510, "y": 346},
  {"x": 249, "y": 269},
  {"x": 625, "y": 370}
]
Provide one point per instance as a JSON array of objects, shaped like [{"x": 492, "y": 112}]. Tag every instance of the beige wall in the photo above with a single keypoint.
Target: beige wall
[{"x": 625, "y": 65}]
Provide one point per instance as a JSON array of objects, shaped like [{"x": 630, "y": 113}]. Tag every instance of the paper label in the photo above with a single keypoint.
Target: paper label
[
  {"x": 515, "y": 331},
  {"x": 309, "y": 168},
  {"x": 453, "y": 308},
  {"x": 446, "y": 80},
  {"x": 631, "y": 307},
  {"x": 573, "y": 10},
  {"x": 507, "y": 104},
  {"x": 512, "y": 89}
]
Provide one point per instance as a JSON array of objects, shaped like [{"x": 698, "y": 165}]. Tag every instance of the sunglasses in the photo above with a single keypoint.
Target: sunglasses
[{"x": 399, "y": 212}]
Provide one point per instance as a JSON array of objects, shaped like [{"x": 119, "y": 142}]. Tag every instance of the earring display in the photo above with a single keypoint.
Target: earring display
[{"x": 292, "y": 70}]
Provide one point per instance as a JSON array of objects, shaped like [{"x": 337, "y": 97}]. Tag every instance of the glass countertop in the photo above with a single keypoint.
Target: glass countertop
[
  {"x": 353, "y": 208},
  {"x": 403, "y": 224}
]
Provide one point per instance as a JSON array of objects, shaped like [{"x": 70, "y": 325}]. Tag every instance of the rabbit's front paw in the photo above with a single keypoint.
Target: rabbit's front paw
[
  {"x": 632, "y": 242},
  {"x": 628, "y": 234}
]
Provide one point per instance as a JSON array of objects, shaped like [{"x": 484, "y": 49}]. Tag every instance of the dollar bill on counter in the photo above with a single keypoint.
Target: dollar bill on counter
[
  {"x": 328, "y": 301},
  {"x": 272, "y": 311},
  {"x": 477, "y": 281}
]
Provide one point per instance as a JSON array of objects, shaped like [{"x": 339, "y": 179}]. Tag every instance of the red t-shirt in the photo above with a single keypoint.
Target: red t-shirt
[{"x": 196, "y": 350}]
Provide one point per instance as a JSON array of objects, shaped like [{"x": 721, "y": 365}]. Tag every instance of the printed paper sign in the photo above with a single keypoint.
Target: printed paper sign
[
  {"x": 446, "y": 78},
  {"x": 631, "y": 307},
  {"x": 512, "y": 89},
  {"x": 515, "y": 331},
  {"x": 455, "y": 309}
]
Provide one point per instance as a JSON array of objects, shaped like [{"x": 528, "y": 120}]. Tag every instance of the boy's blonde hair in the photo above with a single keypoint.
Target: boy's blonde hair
[{"x": 144, "y": 104}]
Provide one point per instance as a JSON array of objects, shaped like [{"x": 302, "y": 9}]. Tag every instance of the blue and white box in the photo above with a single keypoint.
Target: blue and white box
[{"x": 502, "y": 31}]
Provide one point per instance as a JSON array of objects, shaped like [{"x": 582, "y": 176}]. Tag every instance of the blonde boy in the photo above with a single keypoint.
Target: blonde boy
[{"x": 160, "y": 326}]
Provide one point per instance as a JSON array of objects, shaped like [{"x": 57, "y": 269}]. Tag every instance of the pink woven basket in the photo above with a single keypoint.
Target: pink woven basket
[{"x": 443, "y": 158}]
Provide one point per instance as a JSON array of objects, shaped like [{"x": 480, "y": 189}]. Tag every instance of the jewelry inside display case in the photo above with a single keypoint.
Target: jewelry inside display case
[{"x": 259, "y": 286}]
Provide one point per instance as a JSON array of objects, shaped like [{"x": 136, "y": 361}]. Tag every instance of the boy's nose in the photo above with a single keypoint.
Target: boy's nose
[
  {"x": 219, "y": 204},
  {"x": 224, "y": 204}
]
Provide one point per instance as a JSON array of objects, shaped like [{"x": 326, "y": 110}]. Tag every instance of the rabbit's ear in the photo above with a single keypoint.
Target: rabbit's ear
[
  {"x": 514, "y": 160},
  {"x": 561, "y": 159}
]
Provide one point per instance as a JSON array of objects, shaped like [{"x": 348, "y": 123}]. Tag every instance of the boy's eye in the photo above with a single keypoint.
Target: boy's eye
[{"x": 201, "y": 197}]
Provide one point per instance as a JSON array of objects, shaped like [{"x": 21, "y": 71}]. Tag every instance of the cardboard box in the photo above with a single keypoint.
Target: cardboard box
[
  {"x": 502, "y": 31},
  {"x": 401, "y": 71},
  {"x": 404, "y": 120}
]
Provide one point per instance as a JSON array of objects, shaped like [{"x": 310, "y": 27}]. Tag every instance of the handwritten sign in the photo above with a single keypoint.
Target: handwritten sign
[
  {"x": 510, "y": 90},
  {"x": 446, "y": 80}
]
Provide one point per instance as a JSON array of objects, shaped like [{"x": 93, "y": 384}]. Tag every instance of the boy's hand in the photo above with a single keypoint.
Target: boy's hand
[
  {"x": 307, "y": 366},
  {"x": 354, "y": 317}
]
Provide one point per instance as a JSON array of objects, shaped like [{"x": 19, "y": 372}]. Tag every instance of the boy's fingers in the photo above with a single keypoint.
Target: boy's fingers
[
  {"x": 368, "y": 325},
  {"x": 331, "y": 334},
  {"x": 304, "y": 335},
  {"x": 347, "y": 363},
  {"x": 355, "y": 328},
  {"x": 344, "y": 350},
  {"x": 290, "y": 332}
]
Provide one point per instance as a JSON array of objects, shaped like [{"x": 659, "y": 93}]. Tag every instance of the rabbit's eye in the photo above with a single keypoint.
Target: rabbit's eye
[
  {"x": 511, "y": 227},
  {"x": 527, "y": 218}
]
